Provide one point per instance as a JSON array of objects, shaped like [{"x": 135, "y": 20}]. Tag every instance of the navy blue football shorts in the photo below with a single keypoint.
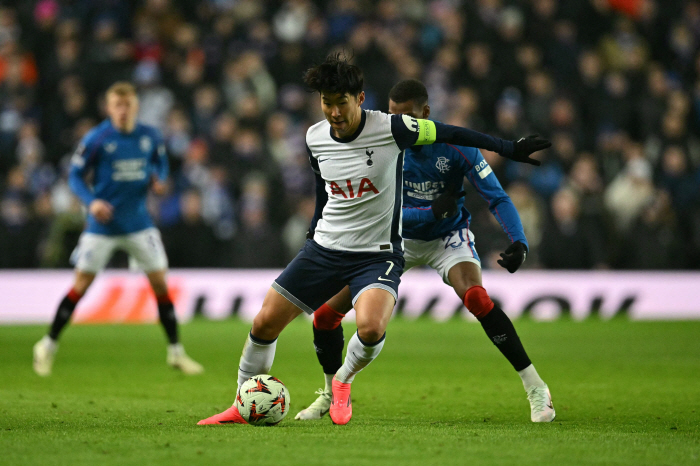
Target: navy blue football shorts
[{"x": 317, "y": 274}]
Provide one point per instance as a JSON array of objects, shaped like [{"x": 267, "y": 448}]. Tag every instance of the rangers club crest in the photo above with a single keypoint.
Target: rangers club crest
[
  {"x": 443, "y": 164},
  {"x": 146, "y": 144}
]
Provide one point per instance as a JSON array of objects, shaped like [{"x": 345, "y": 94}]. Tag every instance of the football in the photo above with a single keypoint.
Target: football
[{"x": 263, "y": 400}]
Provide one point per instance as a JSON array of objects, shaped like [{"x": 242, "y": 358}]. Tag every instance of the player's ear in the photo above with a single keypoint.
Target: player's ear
[
  {"x": 426, "y": 111},
  {"x": 360, "y": 98}
]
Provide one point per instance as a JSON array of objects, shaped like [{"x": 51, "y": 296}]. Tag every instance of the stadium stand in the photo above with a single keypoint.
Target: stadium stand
[{"x": 615, "y": 84}]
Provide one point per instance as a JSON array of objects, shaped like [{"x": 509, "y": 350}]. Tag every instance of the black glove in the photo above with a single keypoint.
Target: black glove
[
  {"x": 523, "y": 147},
  {"x": 445, "y": 206},
  {"x": 514, "y": 257}
]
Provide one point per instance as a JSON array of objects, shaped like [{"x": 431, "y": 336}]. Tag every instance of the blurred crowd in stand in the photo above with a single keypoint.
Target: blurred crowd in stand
[{"x": 615, "y": 85}]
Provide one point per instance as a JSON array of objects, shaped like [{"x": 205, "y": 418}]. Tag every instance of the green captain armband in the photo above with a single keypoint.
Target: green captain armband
[{"x": 426, "y": 132}]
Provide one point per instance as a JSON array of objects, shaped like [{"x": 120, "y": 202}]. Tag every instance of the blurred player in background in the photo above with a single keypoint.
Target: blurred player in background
[
  {"x": 437, "y": 234},
  {"x": 356, "y": 241},
  {"x": 124, "y": 158}
]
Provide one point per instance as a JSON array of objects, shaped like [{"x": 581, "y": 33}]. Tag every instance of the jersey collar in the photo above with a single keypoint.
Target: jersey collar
[
  {"x": 133, "y": 131},
  {"x": 354, "y": 136}
]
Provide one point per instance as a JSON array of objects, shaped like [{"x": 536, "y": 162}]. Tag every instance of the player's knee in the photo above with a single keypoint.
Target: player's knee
[
  {"x": 327, "y": 318},
  {"x": 370, "y": 333},
  {"x": 478, "y": 302}
]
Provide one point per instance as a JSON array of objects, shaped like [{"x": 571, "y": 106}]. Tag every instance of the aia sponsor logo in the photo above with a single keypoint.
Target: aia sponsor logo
[{"x": 364, "y": 187}]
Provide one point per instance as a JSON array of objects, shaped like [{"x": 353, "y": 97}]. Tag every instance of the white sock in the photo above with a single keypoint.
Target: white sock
[
  {"x": 176, "y": 349},
  {"x": 329, "y": 383},
  {"x": 50, "y": 342},
  {"x": 530, "y": 378},
  {"x": 256, "y": 359},
  {"x": 357, "y": 357}
]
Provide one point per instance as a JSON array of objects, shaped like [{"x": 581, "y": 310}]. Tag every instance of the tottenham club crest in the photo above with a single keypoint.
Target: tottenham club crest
[
  {"x": 443, "y": 164},
  {"x": 369, "y": 157}
]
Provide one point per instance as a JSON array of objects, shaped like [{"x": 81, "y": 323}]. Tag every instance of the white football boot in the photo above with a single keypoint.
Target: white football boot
[
  {"x": 44, "y": 352},
  {"x": 318, "y": 408},
  {"x": 541, "y": 407},
  {"x": 178, "y": 359}
]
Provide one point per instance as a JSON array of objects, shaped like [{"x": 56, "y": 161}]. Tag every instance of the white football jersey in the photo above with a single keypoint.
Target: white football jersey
[{"x": 363, "y": 177}]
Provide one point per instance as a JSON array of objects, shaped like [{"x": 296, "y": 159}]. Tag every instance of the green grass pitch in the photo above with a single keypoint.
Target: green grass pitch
[{"x": 440, "y": 393}]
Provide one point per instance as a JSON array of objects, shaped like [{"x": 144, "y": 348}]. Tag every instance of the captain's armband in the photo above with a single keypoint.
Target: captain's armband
[{"x": 426, "y": 132}]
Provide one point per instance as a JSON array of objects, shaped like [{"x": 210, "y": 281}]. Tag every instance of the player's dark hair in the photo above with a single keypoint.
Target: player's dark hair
[
  {"x": 409, "y": 89},
  {"x": 335, "y": 76}
]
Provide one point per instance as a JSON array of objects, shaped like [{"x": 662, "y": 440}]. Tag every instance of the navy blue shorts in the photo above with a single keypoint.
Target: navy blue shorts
[{"x": 317, "y": 274}]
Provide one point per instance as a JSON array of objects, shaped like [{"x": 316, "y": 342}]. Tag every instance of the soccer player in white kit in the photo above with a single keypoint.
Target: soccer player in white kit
[
  {"x": 356, "y": 240},
  {"x": 126, "y": 159}
]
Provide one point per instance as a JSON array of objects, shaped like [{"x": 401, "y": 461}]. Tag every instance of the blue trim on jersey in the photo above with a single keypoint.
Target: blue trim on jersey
[
  {"x": 431, "y": 170},
  {"x": 396, "y": 238},
  {"x": 123, "y": 166}
]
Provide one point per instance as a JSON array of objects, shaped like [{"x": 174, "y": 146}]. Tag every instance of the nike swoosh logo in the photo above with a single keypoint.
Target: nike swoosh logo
[
  {"x": 385, "y": 280},
  {"x": 321, "y": 161}
]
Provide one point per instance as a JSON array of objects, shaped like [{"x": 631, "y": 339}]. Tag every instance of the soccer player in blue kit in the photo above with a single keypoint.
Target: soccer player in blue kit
[
  {"x": 436, "y": 233},
  {"x": 125, "y": 158},
  {"x": 357, "y": 156}
]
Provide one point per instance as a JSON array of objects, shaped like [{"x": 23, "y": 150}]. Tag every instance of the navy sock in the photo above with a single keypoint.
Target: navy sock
[
  {"x": 63, "y": 315},
  {"x": 329, "y": 348},
  {"x": 501, "y": 332}
]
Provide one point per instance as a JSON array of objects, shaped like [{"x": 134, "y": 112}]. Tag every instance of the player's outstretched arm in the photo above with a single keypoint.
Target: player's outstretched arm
[
  {"x": 480, "y": 175},
  {"x": 409, "y": 131}
]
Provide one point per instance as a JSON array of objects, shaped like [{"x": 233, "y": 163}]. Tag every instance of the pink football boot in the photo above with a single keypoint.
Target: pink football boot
[{"x": 341, "y": 405}]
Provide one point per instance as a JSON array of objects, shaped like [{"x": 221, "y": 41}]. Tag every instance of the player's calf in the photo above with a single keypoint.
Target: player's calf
[
  {"x": 501, "y": 332},
  {"x": 497, "y": 326}
]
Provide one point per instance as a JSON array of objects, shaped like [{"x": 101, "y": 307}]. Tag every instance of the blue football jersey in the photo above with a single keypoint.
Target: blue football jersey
[
  {"x": 434, "y": 169},
  {"x": 122, "y": 167}
]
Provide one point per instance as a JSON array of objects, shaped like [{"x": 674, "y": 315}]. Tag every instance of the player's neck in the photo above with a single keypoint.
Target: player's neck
[
  {"x": 352, "y": 129},
  {"x": 126, "y": 129}
]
